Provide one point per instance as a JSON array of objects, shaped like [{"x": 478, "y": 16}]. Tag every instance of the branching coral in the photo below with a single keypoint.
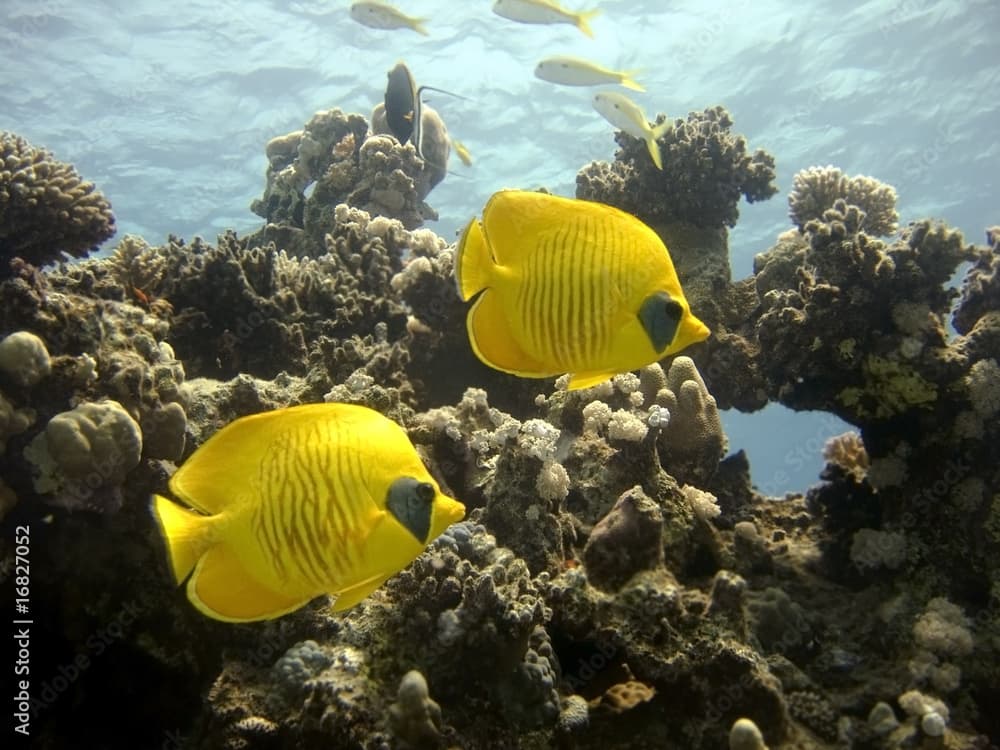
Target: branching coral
[
  {"x": 706, "y": 169},
  {"x": 817, "y": 189},
  {"x": 46, "y": 207}
]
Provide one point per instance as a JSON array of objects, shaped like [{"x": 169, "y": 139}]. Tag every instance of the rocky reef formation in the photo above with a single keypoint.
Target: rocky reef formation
[
  {"x": 618, "y": 581},
  {"x": 334, "y": 157}
]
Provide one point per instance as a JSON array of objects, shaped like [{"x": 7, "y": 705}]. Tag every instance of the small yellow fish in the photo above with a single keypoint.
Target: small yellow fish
[
  {"x": 569, "y": 286},
  {"x": 572, "y": 71},
  {"x": 376, "y": 15},
  {"x": 543, "y": 11},
  {"x": 296, "y": 503},
  {"x": 626, "y": 115},
  {"x": 462, "y": 151}
]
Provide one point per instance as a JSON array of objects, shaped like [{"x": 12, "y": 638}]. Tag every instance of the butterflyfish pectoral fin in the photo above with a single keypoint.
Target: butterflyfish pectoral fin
[
  {"x": 579, "y": 380},
  {"x": 223, "y": 589},
  {"x": 492, "y": 341}
]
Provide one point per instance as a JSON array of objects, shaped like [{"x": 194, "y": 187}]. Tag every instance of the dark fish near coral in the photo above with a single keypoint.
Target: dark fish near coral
[
  {"x": 400, "y": 102},
  {"x": 572, "y": 286},
  {"x": 296, "y": 503},
  {"x": 404, "y": 108}
]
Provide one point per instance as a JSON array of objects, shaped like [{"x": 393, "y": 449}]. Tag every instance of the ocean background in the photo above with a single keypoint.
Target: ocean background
[{"x": 167, "y": 108}]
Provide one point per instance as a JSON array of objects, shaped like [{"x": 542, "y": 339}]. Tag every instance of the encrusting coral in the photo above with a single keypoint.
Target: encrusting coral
[{"x": 46, "y": 208}]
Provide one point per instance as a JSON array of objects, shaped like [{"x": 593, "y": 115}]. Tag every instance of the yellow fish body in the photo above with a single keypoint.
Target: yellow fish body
[
  {"x": 296, "y": 503},
  {"x": 569, "y": 286}
]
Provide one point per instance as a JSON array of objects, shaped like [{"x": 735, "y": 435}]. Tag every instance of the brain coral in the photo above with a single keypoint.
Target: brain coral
[
  {"x": 705, "y": 171},
  {"x": 46, "y": 208}
]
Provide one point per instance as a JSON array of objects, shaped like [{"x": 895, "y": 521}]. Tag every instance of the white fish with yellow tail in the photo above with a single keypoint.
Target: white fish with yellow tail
[
  {"x": 572, "y": 71},
  {"x": 545, "y": 12},
  {"x": 564, "y": 285},
  {"x": 376, "y": 15},
  {"x": 291, "y": 504},
  {"x": 626, "y": 115},
  {"x": 462, "y": 151}
]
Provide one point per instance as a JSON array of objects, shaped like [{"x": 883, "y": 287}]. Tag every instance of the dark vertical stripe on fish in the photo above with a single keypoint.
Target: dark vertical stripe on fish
[
  {"x": 568, "y": 260},
  {"x": 270, "y": 504},
  {"x": 583, "y": 261},
  {"x": 598, "y": 272},
  {"x": 561, "y": 298},
  {"x": 546, "y": 299}
]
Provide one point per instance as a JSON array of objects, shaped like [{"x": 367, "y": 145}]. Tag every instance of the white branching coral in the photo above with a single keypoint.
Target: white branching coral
[{"x": 626, "y": 426}]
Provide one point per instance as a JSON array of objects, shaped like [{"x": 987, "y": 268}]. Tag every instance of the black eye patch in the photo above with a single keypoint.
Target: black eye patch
[
  {"x": 411, "y": 502},
  {"x": 660, "y": 316}
]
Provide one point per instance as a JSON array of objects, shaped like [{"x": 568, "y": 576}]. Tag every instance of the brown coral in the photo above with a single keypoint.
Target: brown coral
[
  {"x": 817, "y": 189},
  {"x": 46, "y": 207},
  {"x": 705, "y": 171}
]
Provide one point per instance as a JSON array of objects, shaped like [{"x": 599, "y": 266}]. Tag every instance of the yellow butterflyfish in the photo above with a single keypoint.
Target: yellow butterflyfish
[
  {"x": 571, "y": 286},
  {"x": 294, "y": 503}
]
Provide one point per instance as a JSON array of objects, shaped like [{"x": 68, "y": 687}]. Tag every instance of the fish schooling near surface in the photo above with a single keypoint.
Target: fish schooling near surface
[
  {"x": 376, "y": 15},
  {"x": 291, "y": 504},
  {"x": 566, "y": 285},
  {"x": 544, "y": 12},
  {"x": 628, "y": 116},
  {"x": 573, "y": 71}
]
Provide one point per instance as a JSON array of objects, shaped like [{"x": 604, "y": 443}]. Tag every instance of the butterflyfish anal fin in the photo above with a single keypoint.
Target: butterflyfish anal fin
[
  {"x": 493, "y": 342},
  {"x": 222, "y": 589}
]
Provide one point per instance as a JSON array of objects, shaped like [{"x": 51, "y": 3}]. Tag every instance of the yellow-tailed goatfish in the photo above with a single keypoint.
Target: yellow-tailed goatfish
[
  {"x": 544, "y": 12},
  {"x": 626, "y": 115},
  {"x": 571, "y": 286},
  {"x": 291, "y": 504}
]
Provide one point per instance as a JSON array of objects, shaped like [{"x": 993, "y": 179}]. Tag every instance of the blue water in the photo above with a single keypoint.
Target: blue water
[{"x": 167, "y": 107}]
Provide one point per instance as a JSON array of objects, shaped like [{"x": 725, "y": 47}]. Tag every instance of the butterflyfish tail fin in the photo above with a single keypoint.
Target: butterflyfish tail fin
[
  {"x": 417, "y": 24},
  {"x": 473, "y": 261},
  {"x": 186, "y": 533},
  {"x": 582, "y": 21}
]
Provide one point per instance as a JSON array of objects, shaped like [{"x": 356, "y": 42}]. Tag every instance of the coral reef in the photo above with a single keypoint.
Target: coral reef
[
  {"x": 619, "y": 581},
  {"x": 706, "y": 169}
]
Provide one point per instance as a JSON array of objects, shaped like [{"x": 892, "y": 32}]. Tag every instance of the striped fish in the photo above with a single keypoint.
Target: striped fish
[
  {"x": 572, "y": 286},
  {"x": 295, "y": 503}
]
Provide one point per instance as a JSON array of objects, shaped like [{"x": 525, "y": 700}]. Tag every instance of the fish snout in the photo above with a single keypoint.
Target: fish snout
[{"x": 449, "y": 510}]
